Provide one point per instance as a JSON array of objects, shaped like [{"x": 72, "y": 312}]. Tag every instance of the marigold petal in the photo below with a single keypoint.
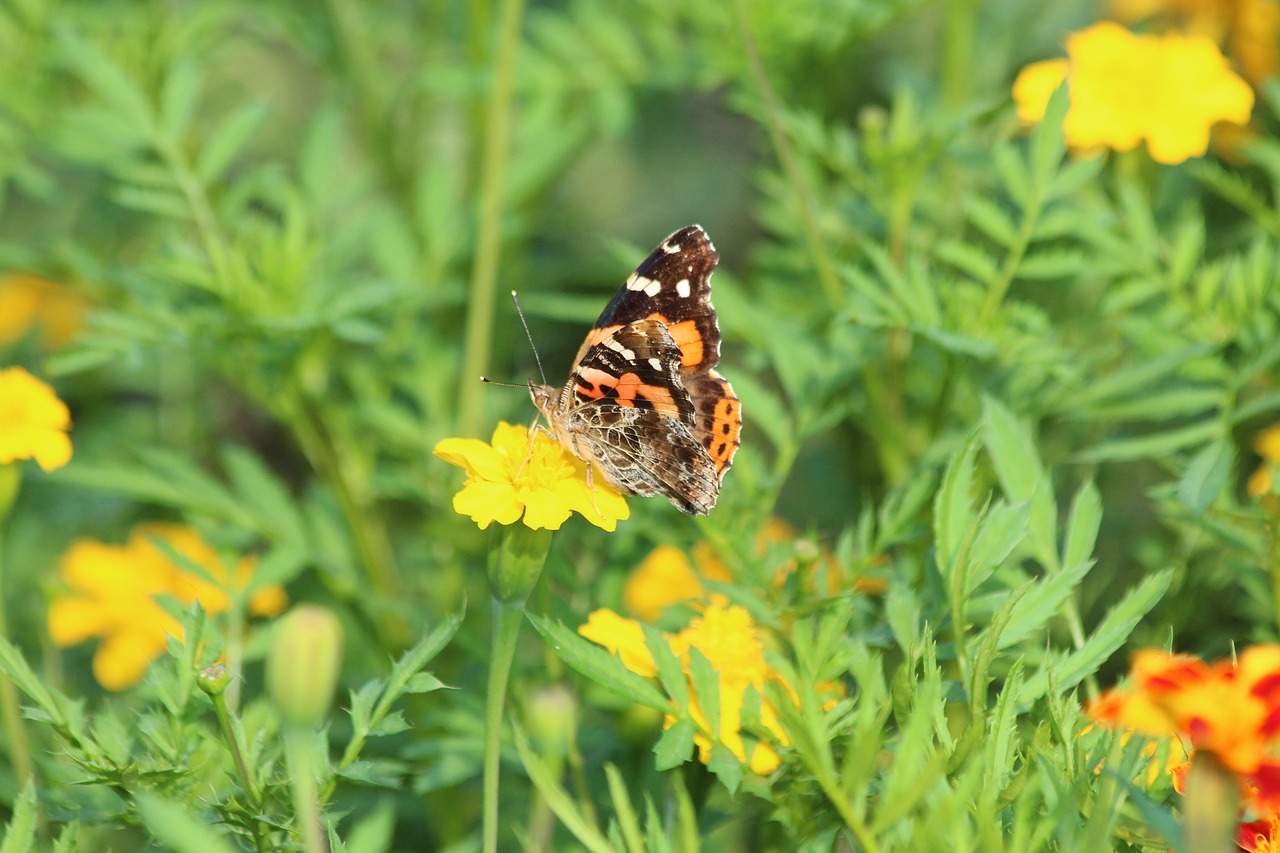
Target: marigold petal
[
  {"x": 546, "y": 510},
  {"x": 123, "y": 659},
  {"x": 623, "y": 637},
  {"x": 1035, "y": 85},
  {"x": 485, "y": 503},
  {"x": 33, "y": 421},
  {"x": 268, "y": 601},
  {"x": 73, "y": 620},
  {"x": 664, "y": 578},
  {"x": 478, "y": 459}
]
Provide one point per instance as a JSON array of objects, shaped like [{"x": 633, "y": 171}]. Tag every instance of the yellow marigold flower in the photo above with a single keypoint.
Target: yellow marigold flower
[
  {"x": 29, "y": 300},
  {"x": 524, "y": 474},
  {"x": 113, "y": 592},
  {"x": 730, "y": 640},
  {"x": 1268, "y": 446},
  {"x": 1167, "y": 90},
  {"x": 33, "y": 421}
]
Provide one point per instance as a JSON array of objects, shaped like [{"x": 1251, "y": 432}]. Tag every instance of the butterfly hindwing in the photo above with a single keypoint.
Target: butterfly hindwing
[{"x": 717, "y": 419}]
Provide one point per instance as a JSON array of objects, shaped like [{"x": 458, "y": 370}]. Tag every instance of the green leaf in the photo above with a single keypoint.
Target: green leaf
[
  {"x": 670, "y": 672},
  {"x": 1043, "y": 602},
  {"x": 375, "y": 830},
  {"x": 1156, "y": 445},
  {"x": 174, "y": 826},
  {"x": 558, "y": 799},
  {"x": 991, "y": 220},
  {"x": 1110, "y": 635},
  {"x": 624, "y": 812},
  {"x": 1048, "y": 140},
  {"x": 675, "y": 747},
  {"x": 1002, "y": 529},
  {"x": 1206, "y": 475},
  {"x": 1082, "y": 526},
  {"x": 262, "y": 494},
  {"x": 1022, "y": 475},
  {"x": 179, "y": 97},
  {"x": 706, "y": 686},
  {"x": 228, "y": 139},
  {"x": 726, "y": 766},
  {"x": 20, "y": 834},
  {"x": 1052, "y": 264},
  {"x": 953, "y": 512},
  {"x": 1130, "y": 382},
  {"x": 598, "y": 665}
]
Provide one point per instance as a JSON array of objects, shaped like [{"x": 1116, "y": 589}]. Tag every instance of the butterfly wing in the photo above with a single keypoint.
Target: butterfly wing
[{"x": 672, "y": 286}]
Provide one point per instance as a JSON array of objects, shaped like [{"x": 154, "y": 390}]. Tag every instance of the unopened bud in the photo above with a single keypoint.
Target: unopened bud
[
  {"x": 551, "y": 714},
  {"x": 303, "y": 663},
  {"x": 213, "y": 679}
]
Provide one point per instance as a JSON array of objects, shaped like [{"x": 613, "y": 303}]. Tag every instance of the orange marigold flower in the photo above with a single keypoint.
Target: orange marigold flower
[
  {"x": 1167, "y": 90},
  {"x": 28, "y": 301},
  {"x": 113, "y": 593},
  {"x": 524, "y": 474},
  {"x": 1231, "y": 709},
  {"x": 33, "y": 421}
]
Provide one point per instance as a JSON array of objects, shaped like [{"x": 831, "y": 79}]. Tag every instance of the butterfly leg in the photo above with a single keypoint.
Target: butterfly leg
[
  {"x": 591, "y": 489},
  {"x": 534, "y": 429}
]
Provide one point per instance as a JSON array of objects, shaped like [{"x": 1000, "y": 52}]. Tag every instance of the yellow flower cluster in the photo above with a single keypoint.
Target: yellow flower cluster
[
  {"x": 730, "y": 640},
  {"x": 528, "y": 475},
  {"x": 113, "y": 592},
  {"x": 1165, "y": 90}
]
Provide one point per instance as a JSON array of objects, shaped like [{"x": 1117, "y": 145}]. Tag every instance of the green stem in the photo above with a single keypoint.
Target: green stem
[
  {"x": 484, "y": 274},
  {"x": 822, "y": 261},
  {"x": 302, "y": 782},
  {"x": 956, "y": 64},
  {"x": 507, "y": 617},
  {"x": 260, "y": 840},
  {"x": 10, "y": 712}
]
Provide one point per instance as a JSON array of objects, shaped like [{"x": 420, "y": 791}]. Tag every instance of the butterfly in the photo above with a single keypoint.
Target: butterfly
[{"x": 643, "y": 405}]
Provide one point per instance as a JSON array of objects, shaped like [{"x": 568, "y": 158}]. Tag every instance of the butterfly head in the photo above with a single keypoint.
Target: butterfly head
[{"x": 543, "y": 396}]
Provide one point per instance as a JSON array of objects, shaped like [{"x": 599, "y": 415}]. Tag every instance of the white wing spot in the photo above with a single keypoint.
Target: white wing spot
[
  {"x": 616, "y": 345},
  {"x": 671, "y": 248},
  {"x": 652, "y": 288},
  {"x": 689, "y": 268},
  {"x": 655, "y": 363},
  {"x": 637, "y": 282},
  {"x": 682, "y": 288}
]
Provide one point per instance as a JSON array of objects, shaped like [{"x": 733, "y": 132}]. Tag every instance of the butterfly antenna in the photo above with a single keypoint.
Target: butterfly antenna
[{"x": 537, "y": 358}]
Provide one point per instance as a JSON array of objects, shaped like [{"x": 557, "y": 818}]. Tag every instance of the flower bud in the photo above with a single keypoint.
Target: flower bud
[
  {"x": 551, "y": 714},
  {"x": 213, "y": 679},
  {"x": 303, "y": 663}
]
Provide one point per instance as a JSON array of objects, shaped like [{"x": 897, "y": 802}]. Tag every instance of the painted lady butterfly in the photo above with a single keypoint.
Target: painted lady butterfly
[{"x": 643, "y": 405}]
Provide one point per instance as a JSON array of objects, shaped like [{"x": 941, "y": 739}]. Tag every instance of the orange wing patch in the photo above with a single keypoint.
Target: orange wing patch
[{"x": 718, "y": 419}]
